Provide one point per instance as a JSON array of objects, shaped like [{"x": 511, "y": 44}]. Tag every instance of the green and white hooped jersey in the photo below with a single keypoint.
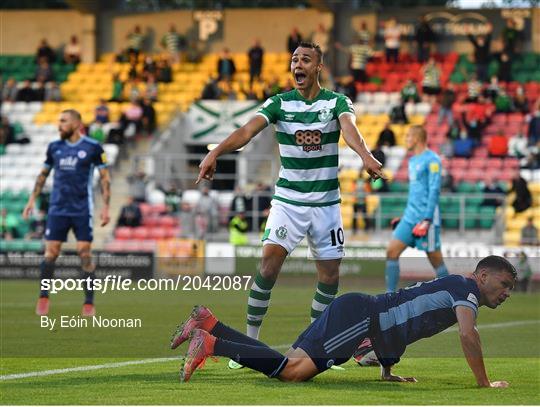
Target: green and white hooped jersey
[{"x": 308, "y": 133}]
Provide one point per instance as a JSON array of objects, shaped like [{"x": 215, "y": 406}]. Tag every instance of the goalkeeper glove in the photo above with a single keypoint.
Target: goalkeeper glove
[
  {"x": 421, "y": 228},
  {"x": 394, "y": 222}
]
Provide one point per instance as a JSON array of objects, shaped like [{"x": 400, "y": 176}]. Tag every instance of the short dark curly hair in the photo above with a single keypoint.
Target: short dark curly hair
[{"x": 496, "y": 263}]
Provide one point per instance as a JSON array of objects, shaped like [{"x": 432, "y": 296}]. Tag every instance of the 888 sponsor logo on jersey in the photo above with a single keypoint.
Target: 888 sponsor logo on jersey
[{"x": 310, "y": 140}]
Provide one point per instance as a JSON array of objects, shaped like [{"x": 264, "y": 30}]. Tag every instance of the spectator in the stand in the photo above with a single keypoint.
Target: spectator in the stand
[
  {"x": 359, "y": 55},
  {"x": 510, "y": 36},
  {"x": 447, "y": 181},
  {"x": 529, "y": 233},
  {"x": 321, "y": 38},
  {"x": 424, "y": 37},
  {"x": 26, "y": 93},
  {"x": 532, "y": 161},
  {"x": 117, "y": 89},
  {"x": 187, "y": 221},
  {"x": 524, "y": 273},
  {"x": 133, "y": 89},
  {"x": 520, "y": 102},
  {"x": 256, "y": 57},
  {"x": 72, "y": 51},
  {"x": 227, "y": 92},
  {"x": 474, "y": 88},
  {"x": 7, "y": 132},
  {"x": 173, "y": 197},
  {"x": 206, "y": 213},
  {"x": 45, "y": 51},
  {"x": 131, "y": 118},
  {"x": 503, "y": 102},
  {"x": 149, "y": 68},
  {"x": 149, "y": 120},
  {"x": 473, "y": 126},
  {"x": 293, "y": 40},
  {"x": 239, "y": 202},
  {"x": 8, "y": 225},
  {"x": 454, "y": 132},
  {"x": 493, "y": 88},
  {"x": 448, "y": 99},
  {"x": 44, "y": 70},
  {"x": 130, "y": 215},
  {"x": 101, "y": 112},
  {"x": 263, "y": 195},
  {"x": 194, "y": 53},
  {"x": 409, "y": 93},
  {"x": 392, "y": 36},
  {"x": 173, "y": 43},
  {"x": 533, "y": 132},
  {"x": 52, "y": 92},
  {"x": 9, "y": 91},
  {"x": 398, "y": 114},
  {"x": 491, "y": 188},
  {"x": 346, "y": 86},
  {"x": 463, "y": 146},
  {"x": 386, "y": 137},
  {"x": 38, "y": 225},
  {"x": 482, "y": 52},
  {"x": 363, "y": 35},
  {"x": 505, "y": 67},
  {"x": 523, "y": 200},
  {"x": 225, "y": 66},
  {"x": 211, "y": 90},
  {"x": 135, "y": 41},
  {"x": 238, "y": 228},
  {"x": 137, "y": 186},
  {"x": 431, "y": 84},
  {"x": 517, "y": 146},
  {"x": 133, "y": 73},
  {"x": 39, "y": 90},
  {"x": 164, "y": 71},
  {"x": 363, "y": 189},
  {"x": 151, "y": 91},
  {"x": 498, "y": 145}
]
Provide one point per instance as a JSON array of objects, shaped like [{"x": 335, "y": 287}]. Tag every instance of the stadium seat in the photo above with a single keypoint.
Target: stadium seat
[{"x": 123, "y": 233}]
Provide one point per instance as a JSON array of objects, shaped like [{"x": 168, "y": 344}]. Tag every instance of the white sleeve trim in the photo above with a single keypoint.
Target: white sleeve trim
[{"x": 263, "y": 115}]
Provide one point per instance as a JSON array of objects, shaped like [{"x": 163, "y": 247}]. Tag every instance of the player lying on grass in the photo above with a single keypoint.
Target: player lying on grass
[{"x": 392, "y": 321}]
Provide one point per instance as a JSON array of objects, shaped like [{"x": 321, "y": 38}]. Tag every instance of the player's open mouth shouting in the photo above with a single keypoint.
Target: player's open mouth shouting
[{"x": 299, "y": 77}]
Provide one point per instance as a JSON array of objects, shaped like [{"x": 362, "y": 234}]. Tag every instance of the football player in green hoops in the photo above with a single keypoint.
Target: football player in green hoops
[{"x": 308, "y": 122}]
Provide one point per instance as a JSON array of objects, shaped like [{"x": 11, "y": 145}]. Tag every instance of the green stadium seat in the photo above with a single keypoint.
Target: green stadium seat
[{"x": 487, "y": 217}]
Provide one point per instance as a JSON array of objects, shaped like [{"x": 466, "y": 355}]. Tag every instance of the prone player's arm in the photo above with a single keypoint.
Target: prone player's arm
[
  {"x": 38, "y": 187},
  {"x": 237, "y": 139},
  {"x": 354, "y": 140},
  {"x": 472, "y": 348}
]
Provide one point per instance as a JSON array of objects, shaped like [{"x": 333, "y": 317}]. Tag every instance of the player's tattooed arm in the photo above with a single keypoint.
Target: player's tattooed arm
[
  {"x": 38, "y": 187},
  {"x": 105, "y": 182}
]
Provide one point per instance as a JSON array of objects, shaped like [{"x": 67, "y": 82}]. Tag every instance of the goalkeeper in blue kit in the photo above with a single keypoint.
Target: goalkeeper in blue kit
[{"x": 420, "y": 224}]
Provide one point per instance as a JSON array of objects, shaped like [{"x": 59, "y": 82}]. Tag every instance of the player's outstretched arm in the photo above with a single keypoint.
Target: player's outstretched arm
[
  {"x": 354, "y": 140},
  {"x": 386, "y": 375},
  {"x": 38, "y": 187},
  {"x": 238, "y": 139},
  {"x": 472, "y": 348},
  {"x": 105, "y": 183}
]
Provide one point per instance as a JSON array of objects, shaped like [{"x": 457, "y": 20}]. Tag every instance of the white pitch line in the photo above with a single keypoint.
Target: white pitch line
[{"x": 158, "y": 360}]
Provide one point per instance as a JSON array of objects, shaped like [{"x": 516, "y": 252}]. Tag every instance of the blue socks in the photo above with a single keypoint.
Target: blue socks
[
  {"x": 88, "y": 291},
  {"x": 441, "y": 271},
  {"x": 46, "y": 271},
  {"x": 391, "y": 274}
]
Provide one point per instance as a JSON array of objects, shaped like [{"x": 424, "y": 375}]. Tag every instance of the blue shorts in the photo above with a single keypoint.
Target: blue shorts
[
  {"x": 431, "y": 242},
  {"x": 58, "y": 227},
  {"x": 333, "y": 337}
]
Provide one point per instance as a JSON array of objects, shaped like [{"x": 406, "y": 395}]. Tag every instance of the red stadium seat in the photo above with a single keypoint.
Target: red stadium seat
[
  {"x": 477, "y": 163},
  {"x": 495, "y": 163},
  {"x": 141, "y": 233},
  {"x": 147, "y": 245},
  {"x": 150, "y": 221},
  {"x": 459, "y": 163},
  {"x": 123, "y": 233},
  {"x": 157, "y": 233},
  {"x": 159, "y": 209},
  {"x": 167, "y": 221},
  {"x": 146, "y": 209}
]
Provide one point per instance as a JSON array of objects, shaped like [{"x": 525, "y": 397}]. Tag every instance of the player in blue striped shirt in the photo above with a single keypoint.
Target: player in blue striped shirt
[
  {"x": 73, "y": 159},
  {"x": 392, "y": 321}
]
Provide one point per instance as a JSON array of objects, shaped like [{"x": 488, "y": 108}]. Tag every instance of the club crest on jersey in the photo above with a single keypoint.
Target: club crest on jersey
[
  {"x": 81, "y": 154},
  {"x": 325, "y": 115},
  {"x": 68, "y": 163},
  {"x": 281, "y": 232}
]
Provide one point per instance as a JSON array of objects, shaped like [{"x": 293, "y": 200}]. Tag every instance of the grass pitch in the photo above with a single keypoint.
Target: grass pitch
[{"x": 510, "y": 336}]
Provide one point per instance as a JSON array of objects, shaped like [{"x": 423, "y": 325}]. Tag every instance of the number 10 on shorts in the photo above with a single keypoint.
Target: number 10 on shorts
[{"x": 337, "y": 237}]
